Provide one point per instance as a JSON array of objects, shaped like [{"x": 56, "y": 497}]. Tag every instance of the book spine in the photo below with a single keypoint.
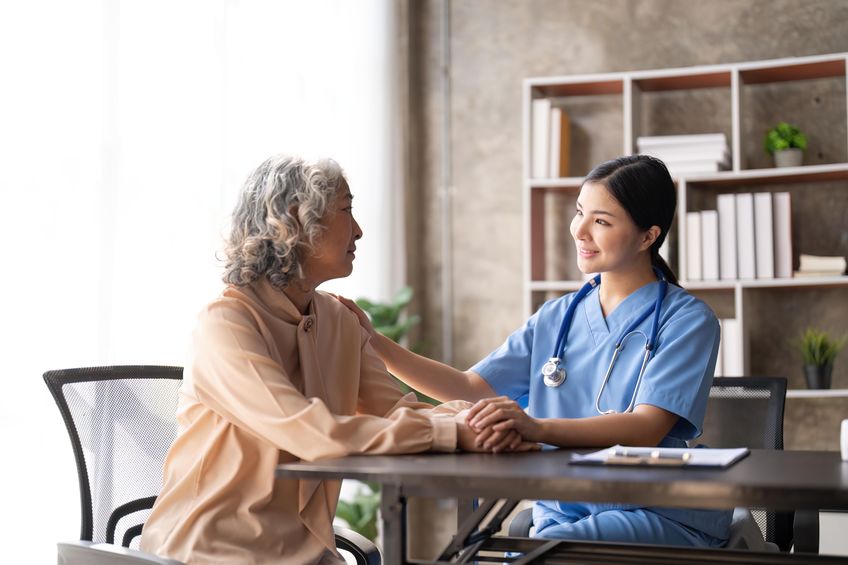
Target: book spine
[
  {"x": 764, "y": 236},
  {"x": 727, "y": 236},
  {"x": 693, "y": 246},
  {"x": 731, "y": 347},
  {"x": 709, "y": 244},
  {"x": 746, "y": 247},
  {"x": 782, "y": 235},
  {"x": 540, "y": 137}
]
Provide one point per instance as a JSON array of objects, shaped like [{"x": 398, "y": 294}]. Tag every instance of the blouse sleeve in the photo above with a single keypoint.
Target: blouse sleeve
[
  {"x": 679, "y": 376},
  {"x": 234, "y": 374},
  {"x": 380, "y": 394}
]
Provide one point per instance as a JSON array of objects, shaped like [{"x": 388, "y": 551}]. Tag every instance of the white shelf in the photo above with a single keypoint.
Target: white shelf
[
  {"x": 806, "y": 173},
  {"x": 766, "y": 283},
  {"x": 818, "y": 393},
  {"x": 622, "y": 94}
]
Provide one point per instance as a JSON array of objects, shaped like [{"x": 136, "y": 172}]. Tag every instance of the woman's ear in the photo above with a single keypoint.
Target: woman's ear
[{"x": 651, "y": 235}]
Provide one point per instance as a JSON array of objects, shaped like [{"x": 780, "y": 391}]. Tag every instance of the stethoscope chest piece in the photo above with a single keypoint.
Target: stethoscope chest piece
[{"x": 553, "y": 374}]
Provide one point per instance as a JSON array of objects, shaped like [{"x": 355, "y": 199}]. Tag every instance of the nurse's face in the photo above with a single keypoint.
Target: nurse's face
[
  {"x": 334, "y": 252},
  {"x": 605, "y": 235}
]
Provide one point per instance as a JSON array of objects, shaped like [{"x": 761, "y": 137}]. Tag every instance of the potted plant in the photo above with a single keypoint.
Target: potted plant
[
  {"x": 787, "y": 144},
  {"x": 819, "y": 350}
]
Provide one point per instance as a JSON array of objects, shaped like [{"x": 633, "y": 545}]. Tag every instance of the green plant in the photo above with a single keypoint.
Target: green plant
[
  {"x": 360, "y": 512},
  {"x": 784, "y": 136},
  {"x": 386, "y": 317},
  {"x": 818, "y": 347}
]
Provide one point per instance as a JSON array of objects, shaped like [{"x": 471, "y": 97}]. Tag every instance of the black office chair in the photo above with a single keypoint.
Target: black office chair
[
  {"x": 121, "y": 421},
  {"x": 743, "y": 412}
]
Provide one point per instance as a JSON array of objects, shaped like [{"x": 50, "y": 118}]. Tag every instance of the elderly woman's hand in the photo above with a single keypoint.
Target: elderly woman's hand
[
  {"x": 491, "y": 418},
  {"x": 364, "y": 321}
]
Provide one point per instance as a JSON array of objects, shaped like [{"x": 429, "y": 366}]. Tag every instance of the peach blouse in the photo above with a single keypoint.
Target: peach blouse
[{"x": 266, "y": 385}]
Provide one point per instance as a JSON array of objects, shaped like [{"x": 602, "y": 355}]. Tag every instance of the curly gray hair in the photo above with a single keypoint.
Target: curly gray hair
[{"x": 278, "y": 218}]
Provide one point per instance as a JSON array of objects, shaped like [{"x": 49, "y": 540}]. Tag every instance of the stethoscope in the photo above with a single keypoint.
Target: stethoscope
[{"x": 553, "y": 372}]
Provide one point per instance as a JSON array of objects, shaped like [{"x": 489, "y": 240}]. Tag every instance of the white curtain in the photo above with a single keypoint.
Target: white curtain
[{"x": 126, "y": 129}]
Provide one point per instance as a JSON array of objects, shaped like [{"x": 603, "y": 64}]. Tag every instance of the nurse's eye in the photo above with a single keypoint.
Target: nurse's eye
[
  {"x": 602, "y": 222},
  {"x": 578, "y": 212}
]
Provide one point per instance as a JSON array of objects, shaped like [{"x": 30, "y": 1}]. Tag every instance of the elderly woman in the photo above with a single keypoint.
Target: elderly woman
[{"x": 280, "y": 372}]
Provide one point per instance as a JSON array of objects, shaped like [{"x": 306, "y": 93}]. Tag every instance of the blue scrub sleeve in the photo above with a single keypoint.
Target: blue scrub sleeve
[
  {"x": 679, "y": 375},
  {"x": 507, "y": 369}
]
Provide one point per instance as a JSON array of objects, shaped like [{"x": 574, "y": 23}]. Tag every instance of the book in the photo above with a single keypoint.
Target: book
[
  {"x": 679, "y": 169},
  {"x": 782, "y": 223},
  {"x": 818, "y": 263},
  {"x": 764, "y": 235},
  {"x": 831, "y": 273},
  {"x": 745, "y": 242},
  {"x": 693, "y": 246},
  {"x": 540, "y": 137},
  {"x": 709, "y": 245},
  {"x": 731, "y": 348},
  {"x": 703, "y": 139},
  {"x": 719, "y": 366},
  {"x": 686, "y": 153},
  {"x": 560, "y": 143},
  {"x": 727, "y": 236}
]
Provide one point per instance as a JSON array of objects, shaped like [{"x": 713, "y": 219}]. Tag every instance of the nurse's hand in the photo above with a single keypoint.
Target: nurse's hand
[
  {"x": 363, "y": 318},
  {"x": 508, "y": 442},
  {"x": 493, "y": 417}
]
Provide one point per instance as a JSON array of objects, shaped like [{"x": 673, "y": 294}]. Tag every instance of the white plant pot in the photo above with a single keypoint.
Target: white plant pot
[{"x": 788, "y": 157}]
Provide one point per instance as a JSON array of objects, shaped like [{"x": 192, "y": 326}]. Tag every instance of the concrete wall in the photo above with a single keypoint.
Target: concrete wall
[{"x": 495, "y": 44}]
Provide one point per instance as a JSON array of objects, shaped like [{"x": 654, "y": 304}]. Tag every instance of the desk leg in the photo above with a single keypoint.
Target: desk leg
[{"x": 393, "y": 510}]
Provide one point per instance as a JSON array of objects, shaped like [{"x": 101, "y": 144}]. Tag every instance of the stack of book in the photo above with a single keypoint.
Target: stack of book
[
  {"x": 688, "y": 154},
  {"x": 748, "y": 237},
  {"x": 550, "y": 140},
  {"x": 816, "y": 266}
]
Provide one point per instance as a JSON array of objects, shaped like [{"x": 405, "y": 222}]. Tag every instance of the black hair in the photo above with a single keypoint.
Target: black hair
[{"x": 643, "y": 187}]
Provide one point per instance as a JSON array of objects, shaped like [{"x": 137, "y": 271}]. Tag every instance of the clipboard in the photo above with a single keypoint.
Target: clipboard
[{"x": 621, "y": 455}]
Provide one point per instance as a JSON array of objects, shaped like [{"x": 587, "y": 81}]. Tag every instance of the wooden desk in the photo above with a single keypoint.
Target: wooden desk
[{"x": 779, "y": 480}]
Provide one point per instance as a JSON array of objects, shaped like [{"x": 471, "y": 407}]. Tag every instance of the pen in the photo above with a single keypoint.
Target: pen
[{"x": 654, "y": 456}]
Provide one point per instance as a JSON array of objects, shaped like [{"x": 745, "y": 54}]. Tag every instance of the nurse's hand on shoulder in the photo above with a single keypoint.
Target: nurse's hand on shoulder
[
  {"x": 506, "y": 442},
  {"x": 493, "y": 417},
  {"x": 363, "y": 318}
]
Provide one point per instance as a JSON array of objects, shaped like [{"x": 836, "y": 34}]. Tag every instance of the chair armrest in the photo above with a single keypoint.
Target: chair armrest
[
  {"x": 520, "y": 525},
  {"x": 805, "y": 531},
  {"x": 88, "y": 553},
  {"x": 362, "y": 549}
]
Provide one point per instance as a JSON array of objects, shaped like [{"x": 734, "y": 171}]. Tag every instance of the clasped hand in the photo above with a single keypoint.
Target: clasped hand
[{"x": 498, "y": 425}]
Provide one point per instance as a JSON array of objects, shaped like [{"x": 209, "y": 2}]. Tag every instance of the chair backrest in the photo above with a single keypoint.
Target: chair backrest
[
  {"x": 121, "y": 423},
  {"x": 748, "y": 412}
]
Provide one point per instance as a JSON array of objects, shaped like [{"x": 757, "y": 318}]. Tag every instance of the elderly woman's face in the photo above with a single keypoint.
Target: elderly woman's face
[{"x": 334, "y": 252}]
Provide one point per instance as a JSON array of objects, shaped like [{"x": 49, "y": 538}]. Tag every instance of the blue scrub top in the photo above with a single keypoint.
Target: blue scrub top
[{"x": 677, "y": 377}]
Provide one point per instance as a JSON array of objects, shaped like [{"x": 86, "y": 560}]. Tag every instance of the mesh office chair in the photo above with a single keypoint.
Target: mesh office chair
[
  {"x": 121, "y": 421},
  {"x": 741, "y": 412}
]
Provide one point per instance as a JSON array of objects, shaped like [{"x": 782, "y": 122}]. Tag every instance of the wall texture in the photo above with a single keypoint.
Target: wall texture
[{"x": 493, "y": 46}]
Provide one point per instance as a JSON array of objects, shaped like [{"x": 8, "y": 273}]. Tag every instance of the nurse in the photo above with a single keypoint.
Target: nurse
[{"x": 623, "y": 214}]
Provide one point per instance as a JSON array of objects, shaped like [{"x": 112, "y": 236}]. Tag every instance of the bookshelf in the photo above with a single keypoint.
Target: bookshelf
[{"x": 740, "y": 100}]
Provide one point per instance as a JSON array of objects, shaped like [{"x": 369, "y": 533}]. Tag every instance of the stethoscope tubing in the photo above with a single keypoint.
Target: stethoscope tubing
[{"x": 650, "y": 342}]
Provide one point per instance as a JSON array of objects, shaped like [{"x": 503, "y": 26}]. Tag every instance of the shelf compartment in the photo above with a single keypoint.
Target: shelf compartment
[
  {"x": 772, "y": 176},
  {"x": 809, "y": 95},
  {"x": 781, "y": 72}
]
